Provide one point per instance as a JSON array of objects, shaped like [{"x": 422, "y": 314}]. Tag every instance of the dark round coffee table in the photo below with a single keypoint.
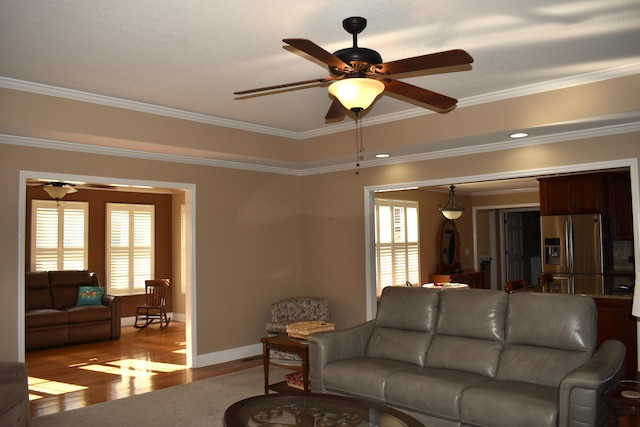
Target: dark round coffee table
[{"x": 313, "y": 410}]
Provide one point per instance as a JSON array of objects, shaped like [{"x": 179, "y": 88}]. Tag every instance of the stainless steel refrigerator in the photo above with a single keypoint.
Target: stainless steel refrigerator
[{"x": 572, "y": 252}]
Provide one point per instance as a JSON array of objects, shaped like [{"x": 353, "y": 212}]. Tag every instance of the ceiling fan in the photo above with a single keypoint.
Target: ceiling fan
[{"x": 364, "y": 67}]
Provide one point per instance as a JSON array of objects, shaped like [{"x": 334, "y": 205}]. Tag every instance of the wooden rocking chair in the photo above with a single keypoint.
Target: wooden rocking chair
[{"x": 155, "y": 304}]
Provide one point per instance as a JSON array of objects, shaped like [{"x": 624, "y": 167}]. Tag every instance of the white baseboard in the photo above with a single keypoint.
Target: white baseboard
[
  {"x": 228, "y": 355},
  {"x": 209, "y": 358}
]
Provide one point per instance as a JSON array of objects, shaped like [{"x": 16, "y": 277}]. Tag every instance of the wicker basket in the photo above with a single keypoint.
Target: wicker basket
[{"x": 302, "y": 330}]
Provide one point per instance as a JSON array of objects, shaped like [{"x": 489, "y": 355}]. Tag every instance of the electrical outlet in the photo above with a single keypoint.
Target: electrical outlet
[{"x": 467, "y": 251}]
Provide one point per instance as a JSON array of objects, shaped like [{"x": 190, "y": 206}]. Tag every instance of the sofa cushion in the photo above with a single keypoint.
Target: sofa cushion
[
  {"x": 461, "y": 341},
  {"x": 363, "y": 378},
  {"x": 90, "y": 295},
  {"x": 396, "y": 344},
  {"x": 545, "y": 355},
  {"x": 460, "y": 311},
  {"x": 88, "y": 313},
  {"x": 37, "y": 290},
  {"x": 413, "y": 309},
  {"x": 509, "y": 403},
  {"x": 45, "y": 317},
  {"x": 404, "y": 324},
  {"x": 432, "y": 391},
  {"x": 64, "y": 286}
]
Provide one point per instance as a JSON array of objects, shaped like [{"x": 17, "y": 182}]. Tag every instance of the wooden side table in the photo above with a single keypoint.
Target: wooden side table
[
  {"x": 625, "y": 411},
  {"x": 289, "y": 345}
]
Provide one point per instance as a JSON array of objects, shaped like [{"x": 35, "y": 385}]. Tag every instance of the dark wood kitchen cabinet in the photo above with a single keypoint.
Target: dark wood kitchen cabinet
[
  {"x": 574, "y": 194},
  {"x": 616, "y": 322},
  {"x": 619, "y": 189}
]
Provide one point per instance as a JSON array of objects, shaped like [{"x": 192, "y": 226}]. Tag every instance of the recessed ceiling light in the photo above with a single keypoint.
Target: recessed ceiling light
[
  {"x": 382, "y": 156},
  {"x": 519, "y": 135}
]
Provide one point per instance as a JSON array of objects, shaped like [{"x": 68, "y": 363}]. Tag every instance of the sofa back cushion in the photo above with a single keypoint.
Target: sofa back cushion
[
  {"x": 64, "y": 286},
  {"x": 300, "y": 308},
  {"x": 404, "y": 324},
  {"x": 470, "y": 331},
  {"x": 37, "y": 290},
  {"x": 547, "y": 336}
]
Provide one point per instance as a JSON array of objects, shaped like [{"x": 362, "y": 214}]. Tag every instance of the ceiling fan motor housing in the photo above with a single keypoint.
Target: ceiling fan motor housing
[{"x": 359, "y": 58}]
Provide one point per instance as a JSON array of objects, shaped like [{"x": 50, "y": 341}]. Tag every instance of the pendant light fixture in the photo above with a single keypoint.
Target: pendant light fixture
[{"x": 451, "y": 210}]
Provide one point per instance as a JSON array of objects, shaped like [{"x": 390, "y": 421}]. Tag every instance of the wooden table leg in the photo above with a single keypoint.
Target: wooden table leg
[{"x": 265, "y": 364}]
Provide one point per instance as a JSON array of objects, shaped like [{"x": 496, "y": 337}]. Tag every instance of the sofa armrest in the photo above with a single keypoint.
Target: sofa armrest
[
  {"x": 582, "y": 400},
  {"x": 114, "y": 302},
  {"x": 326, "y": 347},
  {"x": 20, "y": 413}
]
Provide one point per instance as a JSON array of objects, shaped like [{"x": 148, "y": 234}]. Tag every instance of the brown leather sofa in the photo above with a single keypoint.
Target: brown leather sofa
[
  {"x": 14, "y": 395},
  {"x": 52, "y": 314},
  {"x": 474, "y": 358}
]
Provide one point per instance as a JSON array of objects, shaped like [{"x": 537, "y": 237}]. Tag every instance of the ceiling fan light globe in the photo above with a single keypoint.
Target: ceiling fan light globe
[
  {"x": 356, "y": 93},
  {"x": 58, "y": 192}
]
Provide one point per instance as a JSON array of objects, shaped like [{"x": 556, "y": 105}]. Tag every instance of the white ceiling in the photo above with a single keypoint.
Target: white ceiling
[{"x": 191, "y": 55}]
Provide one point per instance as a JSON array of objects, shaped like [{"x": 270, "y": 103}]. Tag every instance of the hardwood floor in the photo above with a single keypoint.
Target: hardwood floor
[{"x": 142, "y": 360}]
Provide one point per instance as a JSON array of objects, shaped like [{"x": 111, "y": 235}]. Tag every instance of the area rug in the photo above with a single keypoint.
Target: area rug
[{"x": 200, "y": 403}]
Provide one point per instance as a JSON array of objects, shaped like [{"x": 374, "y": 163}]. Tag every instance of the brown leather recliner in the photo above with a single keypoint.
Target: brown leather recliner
[{"x": 53, "y": 316}]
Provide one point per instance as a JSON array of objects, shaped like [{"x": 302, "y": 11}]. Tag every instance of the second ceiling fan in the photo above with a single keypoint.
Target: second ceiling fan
[{"x": 371, "y": 73}]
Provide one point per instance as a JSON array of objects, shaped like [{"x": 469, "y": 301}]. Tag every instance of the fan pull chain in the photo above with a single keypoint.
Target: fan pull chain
[{"x": 359, "y": 143}]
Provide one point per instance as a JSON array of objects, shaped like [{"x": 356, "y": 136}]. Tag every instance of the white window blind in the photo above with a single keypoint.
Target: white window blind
[
  {"x": 130, "y": 247},
  {"x": 397, "y": 243},
  {"x": 59, "y": 235}
]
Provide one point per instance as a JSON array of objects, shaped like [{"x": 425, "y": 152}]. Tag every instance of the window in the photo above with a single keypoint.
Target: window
[
  {"x": 130, "y": 247},
  {"x": 397, "y": 254},
  {"x": 59, "y": 235},
  {"x": 183, "y": 249}
]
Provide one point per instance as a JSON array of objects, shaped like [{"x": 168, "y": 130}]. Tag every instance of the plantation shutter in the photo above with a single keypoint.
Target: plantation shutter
[
  {"x": 59, "y": 235},
  {"x": 397, "y": 243},
  {"x": 130, "y": 252}
]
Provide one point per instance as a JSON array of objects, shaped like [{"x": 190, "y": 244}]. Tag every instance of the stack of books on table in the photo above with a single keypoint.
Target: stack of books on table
[{"x": 295, "y": 380}]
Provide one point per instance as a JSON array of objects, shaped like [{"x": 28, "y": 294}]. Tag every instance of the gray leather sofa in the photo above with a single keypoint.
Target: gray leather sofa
[
  {"x": 14, "y": 395},
  {"x": 474, "y": 357}
]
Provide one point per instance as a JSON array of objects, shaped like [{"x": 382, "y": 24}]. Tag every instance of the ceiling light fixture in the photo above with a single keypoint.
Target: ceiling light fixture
[
  {"x": 57, "y": 190},
  {"x": 382, "y": 155},
  {"x": 519, "y": 135},
  {"x": 356, "y": 93},
  {"x": 451, "y": 210}
]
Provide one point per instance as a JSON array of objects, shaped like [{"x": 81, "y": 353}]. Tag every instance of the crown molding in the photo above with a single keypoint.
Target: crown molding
[
  {"x": 108, "y": 101},
  {"x": 300, "y": 170},
  {"x": 136, "y": 154},
  {"x": 77, "y": 95},
  {"x": 509, "y": 144}
]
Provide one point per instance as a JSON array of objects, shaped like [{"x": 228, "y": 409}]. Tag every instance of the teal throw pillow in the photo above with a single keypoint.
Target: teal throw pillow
[{"x": 90, "y": 295}]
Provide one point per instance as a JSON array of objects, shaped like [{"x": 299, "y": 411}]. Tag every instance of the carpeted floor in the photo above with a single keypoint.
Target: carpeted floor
[{"x": 200, "y": 403}]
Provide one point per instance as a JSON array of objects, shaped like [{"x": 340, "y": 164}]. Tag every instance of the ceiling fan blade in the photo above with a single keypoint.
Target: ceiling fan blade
[
  {"x": 317, "y": 52},
  {"x": 336, "y": 111},
  {"x": 425, "y": 96},
  {"x": 285, "y": 85},
  {"x": 447, "y": 58}
]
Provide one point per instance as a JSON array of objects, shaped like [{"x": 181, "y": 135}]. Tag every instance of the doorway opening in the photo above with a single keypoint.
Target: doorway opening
[
  {"x": 186, "y": 193},
  {"x": 369, "y": 217}
]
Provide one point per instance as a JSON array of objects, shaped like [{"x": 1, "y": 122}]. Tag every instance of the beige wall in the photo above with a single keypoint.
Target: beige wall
[
  {"x": 248, "y": 245},
  {"x": 340, "y": 195},
  {"x": 262, "y": 236}
]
